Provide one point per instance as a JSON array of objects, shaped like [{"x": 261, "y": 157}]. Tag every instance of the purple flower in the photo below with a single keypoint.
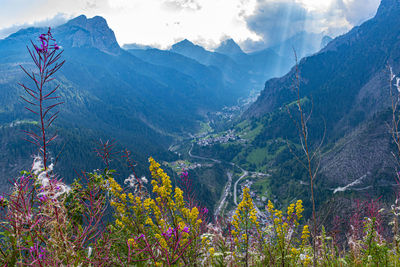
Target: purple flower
[
  {"x": 169, "y": 232},
  {"x": 184, "y": 174},
  {"x": 186, "y": 229},
  {"x": 42, "y": 254},
  {"x": 43, "y": 198},
  {"x": 32, "y": 249}
]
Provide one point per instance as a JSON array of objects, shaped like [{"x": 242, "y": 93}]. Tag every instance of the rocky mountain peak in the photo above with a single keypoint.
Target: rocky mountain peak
[
  {"x": 229, "y": 47},
  {"x": 93, "y": 32},
  {"x": 183, "y": 44}
]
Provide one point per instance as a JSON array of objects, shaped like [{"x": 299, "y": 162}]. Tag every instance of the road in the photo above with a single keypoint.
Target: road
[
  {"x": 198, "y": 157},
  {"x": 245, "y": 173},
  {"x": 225, "y": 194},
  {"x": 228, "y": 184}
]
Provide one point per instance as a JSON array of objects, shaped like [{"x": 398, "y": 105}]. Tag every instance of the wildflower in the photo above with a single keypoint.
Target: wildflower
[
  {"x": 168, "y": 233},
  {"x": 186, "y": 229},
  {"x": 43, "y": 198},
  {"x": 184, "y": 174},
  {"x": 306, "y": 233},
  {"x": 211, "y": 251},
  {"x": 131, "y": 180},
  {"x": 144, "y": 180},
  {"x": 3, "y": 201},
  {"x": 89, "y": 251},
  {"x": 42, "y": 254},
  {"x": 119, "y": 223},
  {"x": 131, "y": 242}
]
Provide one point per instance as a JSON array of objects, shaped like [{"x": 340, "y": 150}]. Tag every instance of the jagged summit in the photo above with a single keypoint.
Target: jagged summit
[
  {"x": 185, "y": 43},
  {"x": 189, "y": 49},
  {"x": 93, "y": 32},
  {"x": 229, "y": 47}
]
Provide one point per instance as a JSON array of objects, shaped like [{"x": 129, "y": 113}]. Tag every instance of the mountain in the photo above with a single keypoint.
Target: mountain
[
  {"x": 108, "y": 93},
  {"x": 136, "y": 46},
  {"x": 245, "y": 72},
  {"x": 81, "y": 32},
  {"x": 209, "y": 78},
  {"x": 232, "y": 71},
  {"x": 229, "y": 47},
  {"x": 325, "y": 41},
  {"x": 347, "y": 83},
  {"x": 304, "y": 43}
]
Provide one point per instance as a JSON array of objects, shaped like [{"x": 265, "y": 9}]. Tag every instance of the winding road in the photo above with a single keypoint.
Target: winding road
[
  {"x": 225, "y": 194},
  {"x": 245, "y": 173},
  {"x": 228, "y": 185},
  {"x": 198, "y": 157}
]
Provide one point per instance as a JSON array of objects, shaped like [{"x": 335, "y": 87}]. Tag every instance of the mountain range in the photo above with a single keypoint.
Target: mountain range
[
  {"x": 144, "y": 98},
  {"x": 345, "y": 89}
]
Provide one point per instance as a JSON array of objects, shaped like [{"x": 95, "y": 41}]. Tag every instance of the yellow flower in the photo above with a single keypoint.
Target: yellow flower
[
  {"x": 131, "y": 242},
  {"x": 149, "y": 221},
  {"x": 270, "y": 206},
  {"x": 211, "y": 251},
  {"x": 119, "y": 223},
  {"x": 306, "y": 233},
  {"x": 299, "y": 209}
]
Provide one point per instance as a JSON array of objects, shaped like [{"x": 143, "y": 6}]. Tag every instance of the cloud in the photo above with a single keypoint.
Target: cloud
[
  {"x": 356, "y": 11},
  {"x": 177, "y": 5},
  {"x": 278, "y": 20},
  {"x": 58, "y": 19}
]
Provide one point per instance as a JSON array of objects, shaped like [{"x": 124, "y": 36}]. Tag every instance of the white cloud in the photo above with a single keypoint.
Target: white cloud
[{"x": 206, "y": 22}]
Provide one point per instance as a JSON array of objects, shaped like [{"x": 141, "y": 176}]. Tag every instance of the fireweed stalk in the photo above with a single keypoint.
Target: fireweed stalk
[{"x": 40, "y": 99}]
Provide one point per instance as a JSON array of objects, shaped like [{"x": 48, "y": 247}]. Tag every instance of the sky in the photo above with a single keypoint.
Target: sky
[{"x": 254, "y": 24}]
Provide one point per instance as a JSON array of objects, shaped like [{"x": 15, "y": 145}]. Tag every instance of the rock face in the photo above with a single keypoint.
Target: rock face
[
  {"x": 229, "y": 47},
  {"x": 387, "y": 8},
  {"x": 325, "y": 41},
  {"x": 84, "y": 32}
]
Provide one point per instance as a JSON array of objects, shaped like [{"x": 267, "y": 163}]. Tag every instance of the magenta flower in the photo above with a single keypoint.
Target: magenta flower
[
  {"x": 169, "y": 232},
  {"x": 184, "y": 174},
  {"x": 186, "y": 229},
  {"x": 204, "y": 210},
  {"x": 43, "y": 198}
]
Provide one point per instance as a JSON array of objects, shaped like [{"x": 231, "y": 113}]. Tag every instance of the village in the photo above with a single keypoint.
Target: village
[{"x": 230, "y": 135}]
